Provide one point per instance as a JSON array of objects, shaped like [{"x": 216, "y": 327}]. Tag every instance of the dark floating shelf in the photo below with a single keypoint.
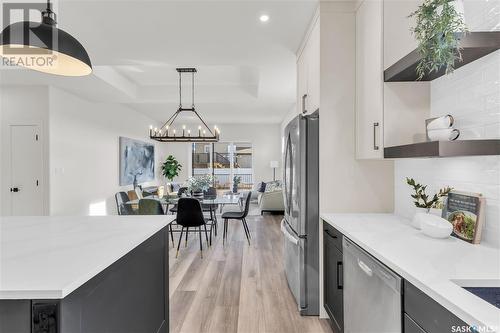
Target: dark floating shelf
[
  {"x": 445, "y": 149},
  {"x": 474, "y": 46}
]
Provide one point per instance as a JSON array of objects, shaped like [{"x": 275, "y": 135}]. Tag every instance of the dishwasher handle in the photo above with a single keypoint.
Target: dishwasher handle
[
  {"x": 371, "y": 266},
  {"x": 364, "y": 267}
]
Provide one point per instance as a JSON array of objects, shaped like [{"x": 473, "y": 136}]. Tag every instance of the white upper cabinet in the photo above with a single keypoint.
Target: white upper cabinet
[
  {"x": 308, "y": 72},
  {"x": 398, "y": 39},
  {"x": 369, "y": 81},
  {"x": 313, "y": 73}
]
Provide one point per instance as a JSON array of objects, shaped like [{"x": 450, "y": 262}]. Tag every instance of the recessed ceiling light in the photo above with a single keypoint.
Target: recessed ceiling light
[{"x": 264, "y": 18}]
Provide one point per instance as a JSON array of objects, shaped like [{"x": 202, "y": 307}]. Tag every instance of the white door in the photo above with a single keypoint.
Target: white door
[{"x": 26, "y": 171}]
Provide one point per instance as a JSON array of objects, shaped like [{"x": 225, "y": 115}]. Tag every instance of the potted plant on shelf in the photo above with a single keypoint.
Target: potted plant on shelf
[
  {"x": 439, "y": 27},
  {"x": 423, "y": 202},
  {"x": 171, "y": 168},
  {"x": 197, "y": 185},
  {"x": 236, "y": 183}
]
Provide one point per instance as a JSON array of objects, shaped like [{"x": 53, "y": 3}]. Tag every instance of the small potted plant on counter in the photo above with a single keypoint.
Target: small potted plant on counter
[
  {"x": 425, "y": 203},
  {"x": 197, "y": 185},
  {"x": 439, "y": 27}
]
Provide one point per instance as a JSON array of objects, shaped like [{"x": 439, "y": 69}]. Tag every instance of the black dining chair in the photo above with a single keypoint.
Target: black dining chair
[
  {"x": 180, "y": 192},
  {"x": 190, "y": 215},
  {"x": 211, "y": 193},
  {"x": 122, "y": 208},
  {"x": 238, "y": 216}
]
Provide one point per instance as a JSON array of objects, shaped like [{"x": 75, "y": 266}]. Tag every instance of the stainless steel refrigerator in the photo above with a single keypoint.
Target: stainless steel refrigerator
[{"x": 300, "y": 225}]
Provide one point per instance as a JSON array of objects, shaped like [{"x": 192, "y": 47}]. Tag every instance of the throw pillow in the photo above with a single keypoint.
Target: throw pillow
[
  {"x": 273, "y": 186},
  {"x": 262, "y": 187}
]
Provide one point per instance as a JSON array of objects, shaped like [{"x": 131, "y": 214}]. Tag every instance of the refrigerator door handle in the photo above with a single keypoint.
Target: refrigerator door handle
[{"x": 287, "y": 234}]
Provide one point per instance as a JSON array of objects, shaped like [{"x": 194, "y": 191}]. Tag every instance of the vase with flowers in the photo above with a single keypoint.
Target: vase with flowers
[{"x": 199, "y": 184}]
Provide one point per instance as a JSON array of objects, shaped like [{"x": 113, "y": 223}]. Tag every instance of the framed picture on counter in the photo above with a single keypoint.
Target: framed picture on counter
[{"x": 465, "y": 211}]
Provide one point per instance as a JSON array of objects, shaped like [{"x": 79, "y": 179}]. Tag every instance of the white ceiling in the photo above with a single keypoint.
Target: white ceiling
[{"x": 246, "y": 69}]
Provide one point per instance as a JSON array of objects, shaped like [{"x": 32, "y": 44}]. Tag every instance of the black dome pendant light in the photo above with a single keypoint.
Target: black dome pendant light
[{"x": 44, "y": 48}]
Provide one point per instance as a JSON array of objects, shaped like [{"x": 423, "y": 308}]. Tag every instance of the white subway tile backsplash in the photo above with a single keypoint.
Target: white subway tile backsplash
[{"x": 472, "y": 95}]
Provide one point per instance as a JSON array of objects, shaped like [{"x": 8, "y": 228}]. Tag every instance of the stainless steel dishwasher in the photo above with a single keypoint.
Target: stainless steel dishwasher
[{"x": 372, "y": 293}]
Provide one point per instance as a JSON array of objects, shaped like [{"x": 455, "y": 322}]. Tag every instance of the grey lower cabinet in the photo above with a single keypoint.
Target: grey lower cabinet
[
  {"x": 425, "y": 315},
  {"x": 130, "y": 296},
  {"x": 333, "y": 277}
]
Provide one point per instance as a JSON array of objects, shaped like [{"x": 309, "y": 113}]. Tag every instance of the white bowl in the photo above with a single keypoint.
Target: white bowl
[{"x": 435, "y": 226}]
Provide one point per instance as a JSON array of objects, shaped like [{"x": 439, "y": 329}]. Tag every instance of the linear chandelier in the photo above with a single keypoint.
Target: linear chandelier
[{"x": 168, "y": 132}]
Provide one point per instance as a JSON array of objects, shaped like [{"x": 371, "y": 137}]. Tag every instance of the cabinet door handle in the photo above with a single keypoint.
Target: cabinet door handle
[
  {"x": 329, "y": 234},
  {"x": 375, "y": 146},
  {"x": 15, "y": 189},
  {"x": 304, "y": 103},
  {"x": 339, "y": 275}
]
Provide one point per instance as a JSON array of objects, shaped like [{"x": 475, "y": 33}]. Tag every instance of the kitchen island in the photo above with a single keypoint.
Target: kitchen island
[{"x": 84, "y": 274}]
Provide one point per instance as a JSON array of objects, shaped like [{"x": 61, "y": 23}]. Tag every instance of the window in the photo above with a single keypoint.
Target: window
[{"x": 224, "y": 160}]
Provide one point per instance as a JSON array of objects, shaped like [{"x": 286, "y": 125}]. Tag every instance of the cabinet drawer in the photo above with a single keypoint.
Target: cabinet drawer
[
  {"x": 334, "y": 234},
  {"x": 411, "y": 326},
  {"x": 427, "y": 313}
]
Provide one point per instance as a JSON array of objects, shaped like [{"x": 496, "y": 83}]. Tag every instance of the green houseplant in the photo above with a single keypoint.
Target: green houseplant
[
  {"x": 171, "y": 168},
  {"x": 236, "y": 183},
  {"x": 422, "y": 200},
  {"x": 438, "y": 29}
]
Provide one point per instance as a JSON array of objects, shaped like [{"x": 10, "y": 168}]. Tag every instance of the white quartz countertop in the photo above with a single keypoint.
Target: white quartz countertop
[
  {"x": 435, "y": 266},
  {"x": 49, "y": 257}
]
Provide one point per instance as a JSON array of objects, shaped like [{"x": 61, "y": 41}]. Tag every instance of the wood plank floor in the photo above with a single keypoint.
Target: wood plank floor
[{"x": 236, "y": 288}]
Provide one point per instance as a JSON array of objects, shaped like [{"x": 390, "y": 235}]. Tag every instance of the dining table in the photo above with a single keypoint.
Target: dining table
[
  {"x": 219, "y": 200},
  {"x": 211, "y": 202}
]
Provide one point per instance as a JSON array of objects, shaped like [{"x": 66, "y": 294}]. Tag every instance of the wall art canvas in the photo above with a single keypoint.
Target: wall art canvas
[{"x": 137, "y": 159}]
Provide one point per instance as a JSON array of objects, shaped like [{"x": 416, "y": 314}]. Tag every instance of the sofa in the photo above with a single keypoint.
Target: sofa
[{"x": 270, "y": 198}]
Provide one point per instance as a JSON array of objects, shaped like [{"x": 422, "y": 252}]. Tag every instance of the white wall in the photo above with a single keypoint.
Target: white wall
[
  {"x": 84, "y": 153},
  {"x": 266, "y": 143},
  {"x": 472, "y": 95},
  {"x": 26, "y": 105}
]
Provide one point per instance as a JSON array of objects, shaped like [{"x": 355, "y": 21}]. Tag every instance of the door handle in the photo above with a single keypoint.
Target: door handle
[
  {"x": 375, "y": 146},
  {"x": 339, "y": 268},
  {"x": 287, "y": 234},
  {"x": 15, "y": 189},
  {"x": 304, "y": 103}
]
